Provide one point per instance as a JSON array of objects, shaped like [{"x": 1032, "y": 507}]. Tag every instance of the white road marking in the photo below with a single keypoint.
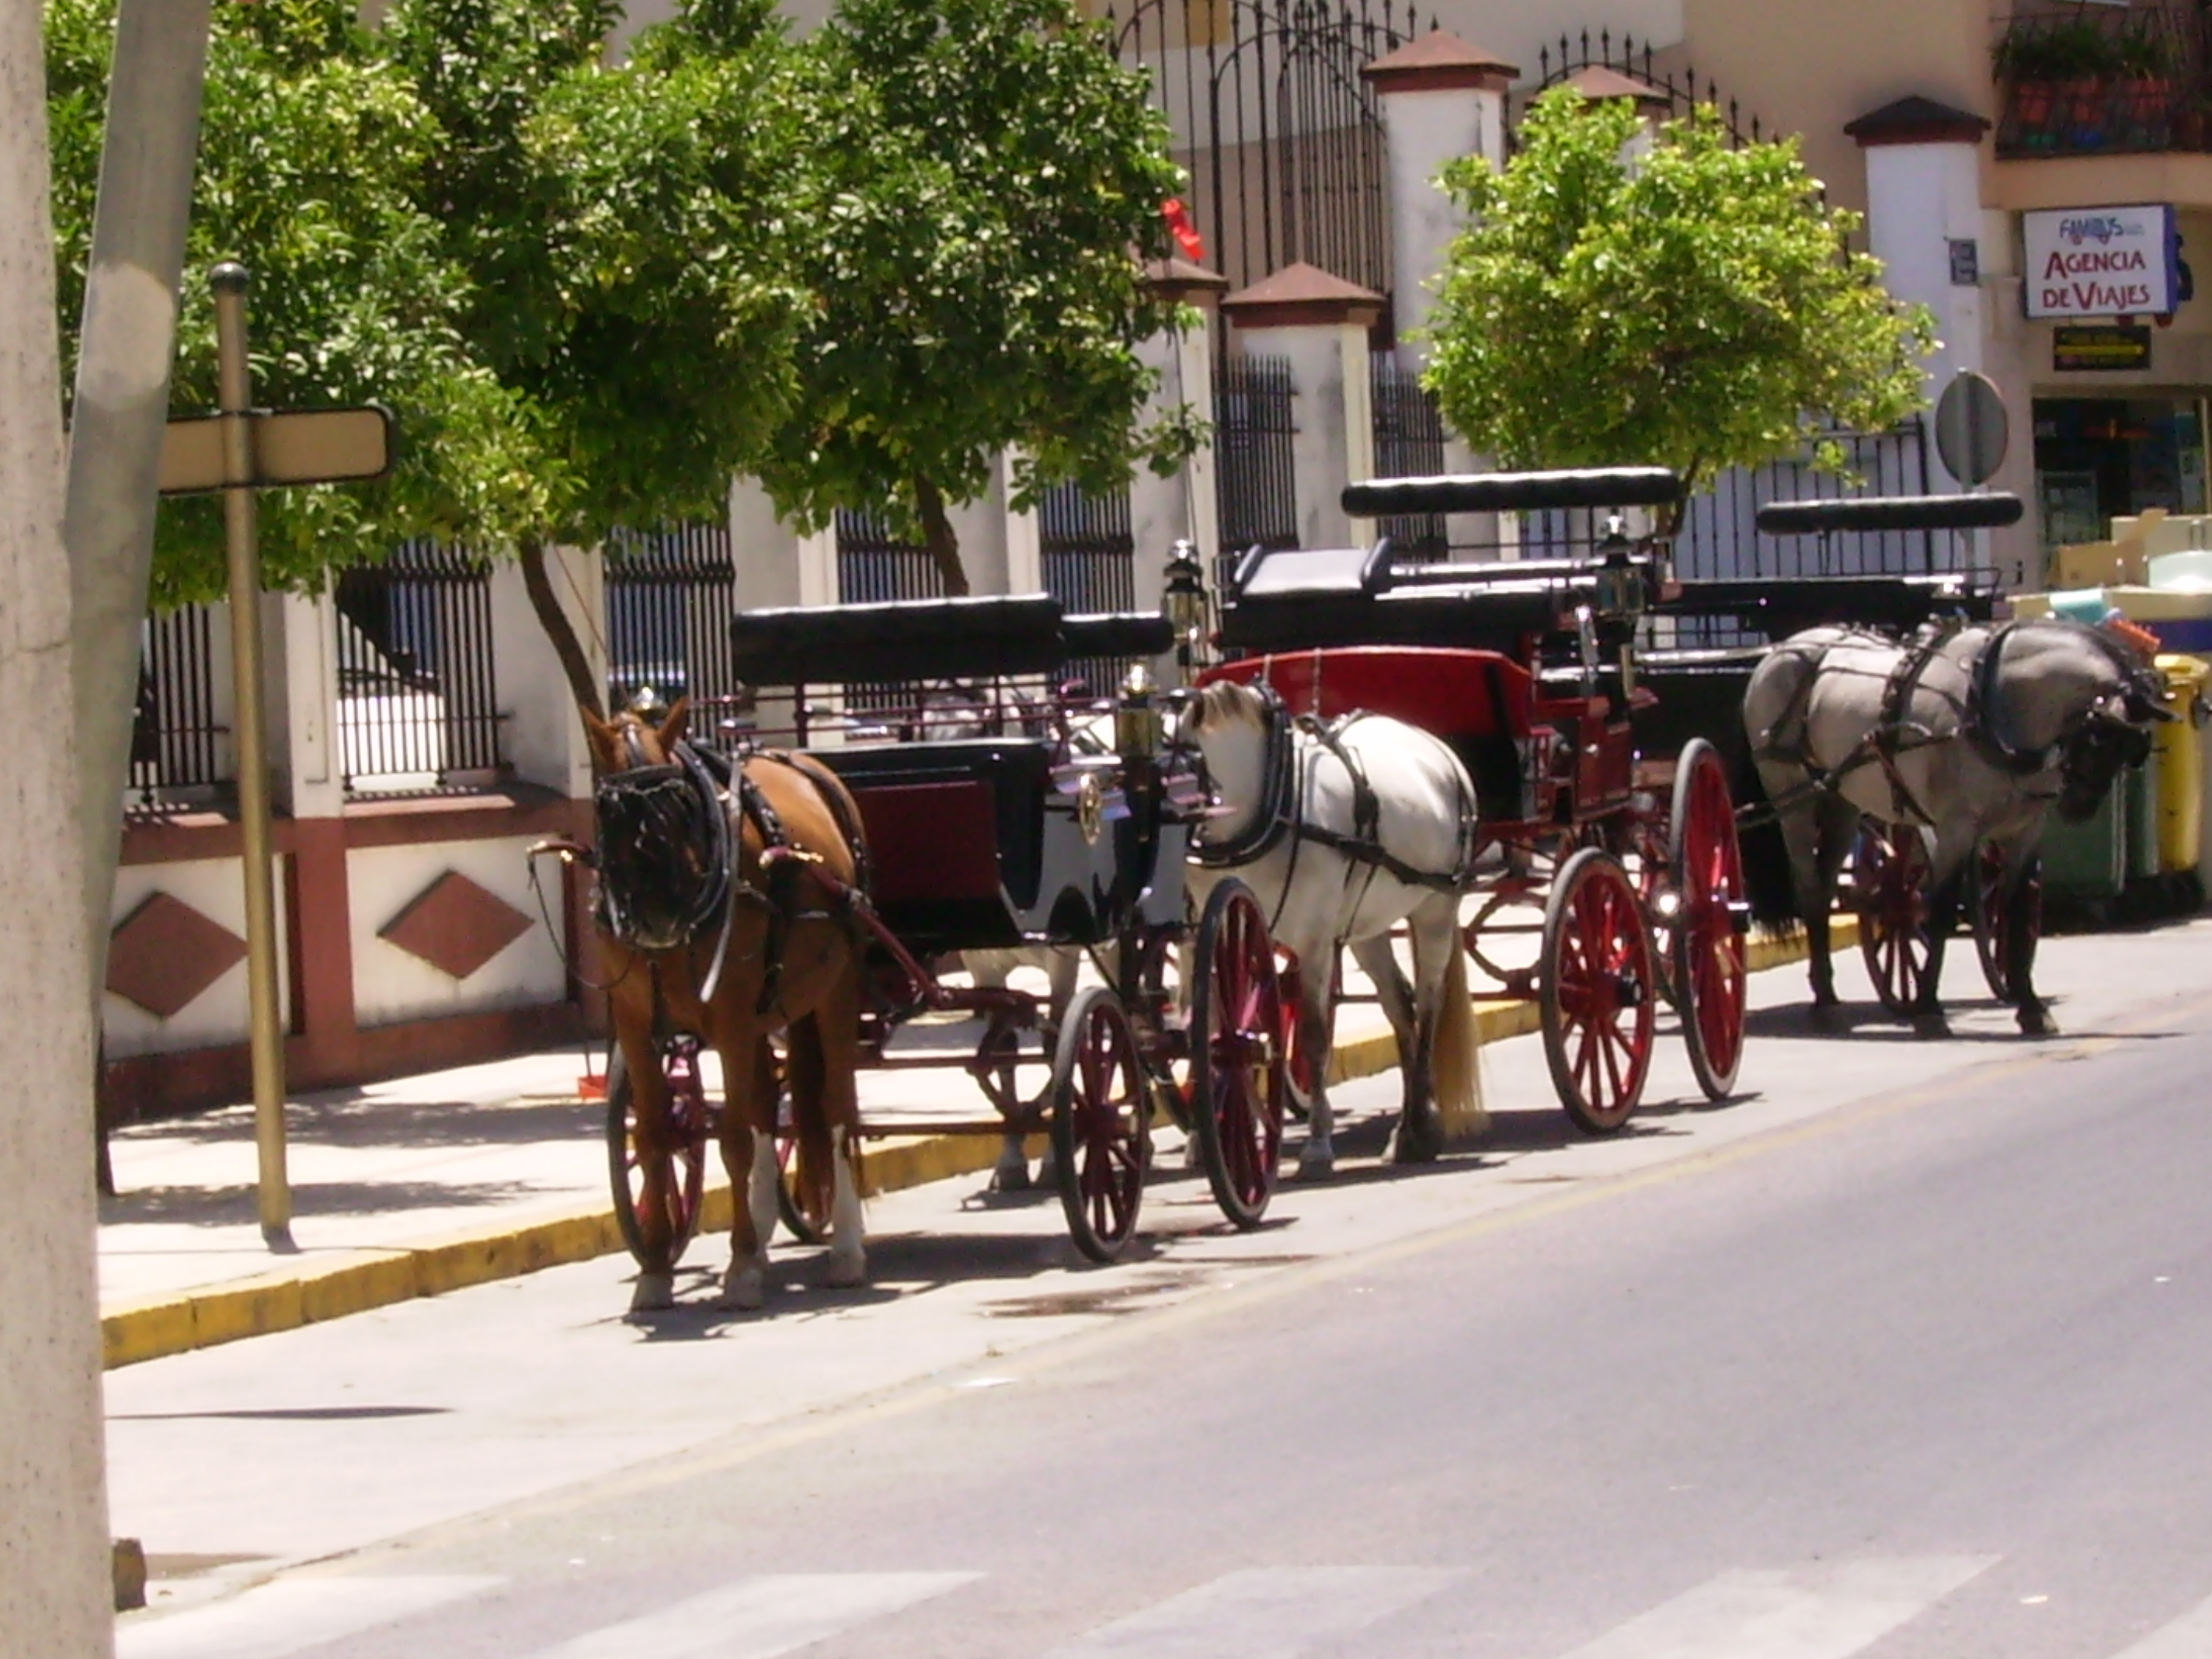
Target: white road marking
[
  {"x": 2189, "y": 1637},
  {"x": 1271, "y": 1613},
  {"x": 761, "y": 1618},
  {"x": 1810, "y": 1612},
  {"x": 288, "y": 1616}
]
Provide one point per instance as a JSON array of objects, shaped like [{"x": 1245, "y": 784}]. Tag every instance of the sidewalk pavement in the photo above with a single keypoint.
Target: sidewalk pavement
[{"x": 427, "y": 1184}]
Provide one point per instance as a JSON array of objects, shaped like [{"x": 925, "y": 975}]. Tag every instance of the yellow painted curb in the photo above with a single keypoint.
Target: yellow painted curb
[{"x": 319, "y": 1290}]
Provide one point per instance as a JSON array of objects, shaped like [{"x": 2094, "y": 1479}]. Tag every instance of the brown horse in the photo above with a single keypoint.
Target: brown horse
[{"x": 726, "y": 911}]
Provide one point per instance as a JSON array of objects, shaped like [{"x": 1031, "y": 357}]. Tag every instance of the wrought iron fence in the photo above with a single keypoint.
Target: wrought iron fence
[
  {"x": 417, "y": 688},
  {"x": 1719, "y": 535},
  {"x": 1409, "y": 443},
  {"x": 1089, "y": 558},
  {"x": 1255, "y": 474},
  {"x": 671, "y": 593},
  {"x": 180, "y": 739},
  {"x": 1281, "y": 137},
  {"x": 1681, "y": 89},
  {"x": 2081, "y": 80},
  {"x": 873, "y": 565}
]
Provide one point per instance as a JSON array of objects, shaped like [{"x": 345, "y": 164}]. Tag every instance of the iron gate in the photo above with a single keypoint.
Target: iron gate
[
  {"x": 1255, "y": 478},
  {"x": 417, "y": 693},
  {"x": 671, "y": 593},
  {"x": 1409, "y": 443},
  {"x": 1281, "y": 137}
]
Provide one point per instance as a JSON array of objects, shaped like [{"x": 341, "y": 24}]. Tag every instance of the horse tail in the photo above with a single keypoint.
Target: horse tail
[
  {"x": 1455, "y": 1058},
  {"x": 813, "y": 1169},
  {"x": 1767, "y": 881}
]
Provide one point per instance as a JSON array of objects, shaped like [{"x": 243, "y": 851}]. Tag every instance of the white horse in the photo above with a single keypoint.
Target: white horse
[
  {"x": 1342, "y": 834},
  {"x": 1971, "y": 734}
]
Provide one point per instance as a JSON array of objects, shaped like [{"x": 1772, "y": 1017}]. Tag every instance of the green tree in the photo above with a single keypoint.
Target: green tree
[
  {"x": 980, "y": 176},
  {"x": 1695, "y": 308},
  {"x": 622, "y": 232},
  {"x": 309, "y": 148}
]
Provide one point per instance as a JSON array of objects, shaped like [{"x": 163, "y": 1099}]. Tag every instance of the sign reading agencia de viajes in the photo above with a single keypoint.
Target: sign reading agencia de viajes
[{"x": 2102, "y": 261}]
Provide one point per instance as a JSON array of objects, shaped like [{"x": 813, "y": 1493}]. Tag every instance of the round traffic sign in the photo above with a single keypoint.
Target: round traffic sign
[{"x": 1972, "y": 429}]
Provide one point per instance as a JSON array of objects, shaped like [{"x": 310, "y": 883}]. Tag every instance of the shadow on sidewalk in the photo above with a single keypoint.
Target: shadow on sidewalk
[{"x": 236, "y": 1206}]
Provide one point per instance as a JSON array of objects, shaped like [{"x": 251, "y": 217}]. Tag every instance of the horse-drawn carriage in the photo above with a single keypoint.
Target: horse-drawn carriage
[
  {"x": 1526, "y": 670},
  {"x": 1887, "y": 728},
  {"x": 1047, "y": 816}
]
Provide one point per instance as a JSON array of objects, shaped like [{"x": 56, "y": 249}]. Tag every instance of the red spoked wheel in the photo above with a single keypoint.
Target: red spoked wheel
[
  {"x": 1597, "y": 992},
  {"x": 1890, "y": 869},
  {"x": 1239, "y": 1061},
  {"x": 1101, "y": 1123},
  {"x": 689, "y": 1125},
  {"x": 1711, "y": 976},
  {"x": 1993, "y": 925}
]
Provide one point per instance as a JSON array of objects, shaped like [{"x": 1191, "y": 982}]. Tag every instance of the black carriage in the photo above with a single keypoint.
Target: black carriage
[
  {"x": 1008, "y": 803},
  {"x": 1528, "y": 668}
]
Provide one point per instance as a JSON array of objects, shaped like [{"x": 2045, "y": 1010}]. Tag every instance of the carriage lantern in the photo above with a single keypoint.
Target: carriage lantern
[
  {"x": 1138, "y": 730},
  {"x": 1183, "y": 598}
]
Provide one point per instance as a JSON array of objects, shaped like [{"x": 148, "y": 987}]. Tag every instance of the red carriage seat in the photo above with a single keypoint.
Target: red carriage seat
[{"x": 1477, "y": 701}]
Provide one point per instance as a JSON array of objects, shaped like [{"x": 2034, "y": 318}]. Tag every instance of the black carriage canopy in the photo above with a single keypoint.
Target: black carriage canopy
[
  {"x": 1992, "y": 511},
  {"x": 1515, "y": 492},
  {"x": 1020, "y": 634}
]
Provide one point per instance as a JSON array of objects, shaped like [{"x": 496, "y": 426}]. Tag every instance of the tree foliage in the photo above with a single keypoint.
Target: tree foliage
[
  {"x": 309, "y": 149},
  {"x": 1695, "y": 308},
  {"x": 980, "y": 174}
]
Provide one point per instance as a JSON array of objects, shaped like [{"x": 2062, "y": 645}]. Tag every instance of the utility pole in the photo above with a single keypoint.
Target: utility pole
[
  {"x": 56, "y": 1591},
  {"x": 121, "y": 401}
]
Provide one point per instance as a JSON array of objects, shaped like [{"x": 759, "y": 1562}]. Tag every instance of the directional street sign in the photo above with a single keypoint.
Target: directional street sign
[{"x": 288, "y": 447}]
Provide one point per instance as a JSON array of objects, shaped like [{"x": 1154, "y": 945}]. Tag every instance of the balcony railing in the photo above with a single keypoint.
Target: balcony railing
[{"x": 2101, "y": 80}]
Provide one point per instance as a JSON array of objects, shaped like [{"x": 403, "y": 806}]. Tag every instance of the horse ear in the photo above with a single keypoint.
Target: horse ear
[
  {"x": 673, "y": 728},
  {"x": 604, "y": 740}
]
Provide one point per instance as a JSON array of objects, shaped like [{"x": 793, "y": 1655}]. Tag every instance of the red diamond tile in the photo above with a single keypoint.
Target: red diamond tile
[
  {"x": 164, "y": 954},
  {"x": 455, "y": 924}
]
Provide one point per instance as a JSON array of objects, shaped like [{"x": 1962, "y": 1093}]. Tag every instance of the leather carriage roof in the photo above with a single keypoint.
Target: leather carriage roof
[
  {"x": 1989, "y": 510},
  {"x": 932, "y": 638}
]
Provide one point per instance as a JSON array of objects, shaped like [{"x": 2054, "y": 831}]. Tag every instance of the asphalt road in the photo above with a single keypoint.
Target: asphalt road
[{"x": 1905, "y": 1356}]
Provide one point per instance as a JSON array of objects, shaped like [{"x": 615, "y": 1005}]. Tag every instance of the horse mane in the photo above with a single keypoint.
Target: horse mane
[{"x": 1230, "y": 699}]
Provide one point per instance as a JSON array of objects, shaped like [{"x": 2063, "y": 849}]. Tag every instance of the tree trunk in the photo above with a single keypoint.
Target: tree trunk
[
  {"x": 938, "y": 538},
  {"x": 583, "y": 684}
]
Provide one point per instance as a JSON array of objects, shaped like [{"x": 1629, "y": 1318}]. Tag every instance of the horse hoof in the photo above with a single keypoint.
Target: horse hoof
[
  {"x": 652, "y": 1292},
  {"x": 1011, "y": 1178},
  {"x": 2034, "y": 1022},
  {"x": 848, "y": 1272},
  {"x": 1313, "y": 1166},
  {"x": 1421, "y": 1146},
  {"x": 1930, "y": 1023},
  {"x": 744, "y": 1290}
]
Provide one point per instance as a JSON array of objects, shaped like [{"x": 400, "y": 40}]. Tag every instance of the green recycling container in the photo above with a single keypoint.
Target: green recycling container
[{"x": 2088, "y": 861}]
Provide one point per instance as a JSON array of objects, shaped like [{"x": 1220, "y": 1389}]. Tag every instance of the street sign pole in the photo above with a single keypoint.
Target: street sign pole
[{"x": 235, "y": 401}]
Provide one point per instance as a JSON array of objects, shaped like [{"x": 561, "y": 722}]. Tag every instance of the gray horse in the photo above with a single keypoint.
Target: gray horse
[{"x": 1969, "y": 734}]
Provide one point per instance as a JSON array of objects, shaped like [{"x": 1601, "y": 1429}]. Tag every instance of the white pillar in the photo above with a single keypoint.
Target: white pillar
[
  {"x": 1441, "y": 100},
  {"x": 1320, "y": 323},
  {"x": 981, "y": 526},
  {"x": 303, "y": 705},
  {"x": 544, "y": 734},
  {"x": 1924, "y": 196},
  {"x": 56, "y": 1597},
  {"x": 1023, "y": 537},
  {"x": 1182, "y": 506}
]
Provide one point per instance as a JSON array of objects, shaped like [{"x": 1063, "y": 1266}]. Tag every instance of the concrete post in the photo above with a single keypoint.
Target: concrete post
[
  {"x": 303, "y": 704},
  {"x": 1022, "y": 535},
  {"x": 121, "y": 403},
  {"x": 56, "y": 1598},
  {"x": 981, "y": 526},
  {"x": 1182, "y": 506},
  {"x": 1441, "y": 100},
  {"x": 1320, "y": 324},
  {"x": 544, "y": 735},
  {"x": 1924, "y": 224}
]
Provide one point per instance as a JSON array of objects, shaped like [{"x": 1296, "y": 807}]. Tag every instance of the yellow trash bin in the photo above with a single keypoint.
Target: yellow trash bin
[{"x": 2181, "y": 778}]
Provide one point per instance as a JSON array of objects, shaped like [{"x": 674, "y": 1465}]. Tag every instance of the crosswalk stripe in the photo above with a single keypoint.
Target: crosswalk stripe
[
  {"x": 288, "y": 1616},
  {"x": 1271, "y": 1613},
  {"x": 761, "y": 1618},
  {"x": 1810, "y": 1612},
  {"x": 2189, "y": 1637}
]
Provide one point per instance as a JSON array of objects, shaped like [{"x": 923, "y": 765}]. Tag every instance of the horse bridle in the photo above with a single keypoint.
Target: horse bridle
[
  {"x": 2088, "y": 736},
  {"x": 669, "y": 817}
]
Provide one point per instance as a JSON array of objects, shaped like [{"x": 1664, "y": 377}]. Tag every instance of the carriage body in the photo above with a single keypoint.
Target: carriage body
[{"x": 1529, "y": 669}]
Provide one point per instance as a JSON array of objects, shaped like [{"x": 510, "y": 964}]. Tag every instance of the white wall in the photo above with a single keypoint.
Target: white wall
[{"x": 391, "y": 984}]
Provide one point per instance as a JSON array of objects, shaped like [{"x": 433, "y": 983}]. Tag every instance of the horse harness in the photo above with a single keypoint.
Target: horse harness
[
  {"x": 690, "y": 807},
  {"x": 1894, "y": 732},
  {"x": 1286, "y": 767}
]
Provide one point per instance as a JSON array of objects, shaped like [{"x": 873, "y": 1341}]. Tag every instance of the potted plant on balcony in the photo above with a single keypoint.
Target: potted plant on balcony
[
  {"x": 2146, "y": 72},
  {"x": 2057, "y": 72}
]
